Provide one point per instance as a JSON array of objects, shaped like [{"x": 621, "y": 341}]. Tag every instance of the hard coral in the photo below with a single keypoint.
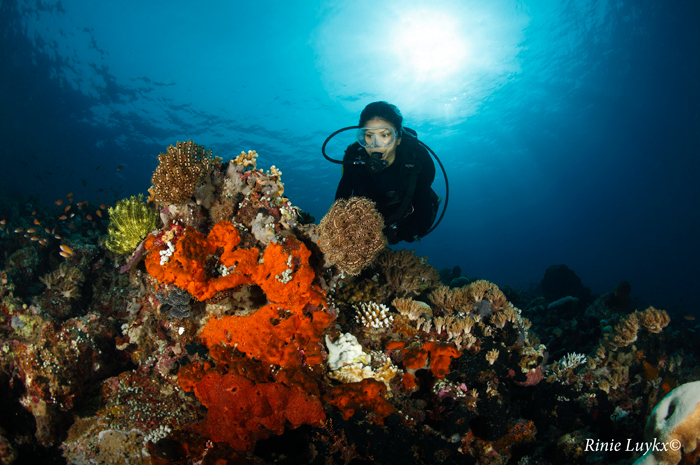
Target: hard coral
[
  {"x": 129, "y": 222},
  {"x": 180, "y": 170},
  {"x": 366, "y": 395},
  {"x": 351, "y": 234},
  {"x": 240, "y": 412},
  {"x": 673, "y": 423}
]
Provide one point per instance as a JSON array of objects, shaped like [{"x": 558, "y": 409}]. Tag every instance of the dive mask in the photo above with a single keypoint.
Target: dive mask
[{"x": 379, "y": 136}]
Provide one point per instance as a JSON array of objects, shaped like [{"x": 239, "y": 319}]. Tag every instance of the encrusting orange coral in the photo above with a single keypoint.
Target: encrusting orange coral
[
  {"x": 366, "y": 395},
  {"x": 186, "y": 268},
  {"x": 240, "y": 412},
  {"x": 271, "y": 335},
  {"x": 441, "y": 356}
]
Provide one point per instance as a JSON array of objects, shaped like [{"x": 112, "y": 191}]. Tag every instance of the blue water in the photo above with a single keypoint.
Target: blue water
[{"x": 570, "y": 130}]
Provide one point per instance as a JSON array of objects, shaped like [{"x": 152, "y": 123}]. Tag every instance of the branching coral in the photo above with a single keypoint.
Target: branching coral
[
  {"x": 351, "y": 234},
  {"x": 405, "y": 274},
  {"x": 129, "y": 222},
  {"x": 180, "y": 170}
]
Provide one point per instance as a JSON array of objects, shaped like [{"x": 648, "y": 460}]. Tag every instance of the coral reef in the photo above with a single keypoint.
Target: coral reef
[
  {"x": 227, "y": 336},
  {"x": 130, "y": 220},
  {"x": 351, "y": 234}
]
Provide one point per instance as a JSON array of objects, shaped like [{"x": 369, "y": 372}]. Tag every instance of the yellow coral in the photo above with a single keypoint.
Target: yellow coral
[
  {"x": 129, "y": 222},
  {"x": 180, "y": 169},
  {"x": 351, "y": 234}
]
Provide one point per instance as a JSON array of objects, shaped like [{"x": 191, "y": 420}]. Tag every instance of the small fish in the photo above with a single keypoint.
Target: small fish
[
  {"x": 89, "y": 217},
  {"x": 70, "y": 194},
  {"x": 53, "y": 231},
  {"x": 34, "y": 238},
  {"x": 48, "y": 231},
  {"x": 98, "y": 167},
  {"x": 72, "y": 215},
  {"x": 57, "y": 237},
  {"x": 66, "y": 249},
  {"x": 80, "y": 206},
  {"x": 102, "y": 206},
  {"x": 59, "y": 202},
  {"x": 31, "y": 230},
  {"x": 34, "y": 212},
  {"x": 71, "y": 225},
  {"x": 65, "y": 210},
  {"x": 120, "y": 167},
  {"x": 63, "y": 254},
  {"x": 3, "y": 222},
  {"x": 63, "y": 217},
  {"x": 84, "y": 182},
  {"x": 689, "y": 317},
  {"x": 43, "y": 242},
  {"x": 37, "y": 222},
  {"x": 99, "y": 213},
  {"x": 19, "y": 230}
]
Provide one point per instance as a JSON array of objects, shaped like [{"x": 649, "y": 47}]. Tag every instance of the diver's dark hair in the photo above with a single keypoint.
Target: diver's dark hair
[{"x": 385, "y": 111}]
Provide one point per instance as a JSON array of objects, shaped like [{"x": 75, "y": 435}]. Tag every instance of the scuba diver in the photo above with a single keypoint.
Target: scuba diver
[{"x": 390, "y": 166}]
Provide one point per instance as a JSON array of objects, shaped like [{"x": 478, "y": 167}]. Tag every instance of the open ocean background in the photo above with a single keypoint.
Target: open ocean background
[{"x": 570, "y": 130}]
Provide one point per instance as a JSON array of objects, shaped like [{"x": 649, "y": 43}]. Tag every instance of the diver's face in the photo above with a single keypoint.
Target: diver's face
[{"x": 389, "y": 151}]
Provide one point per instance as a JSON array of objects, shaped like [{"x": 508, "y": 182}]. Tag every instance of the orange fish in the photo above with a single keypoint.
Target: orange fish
[
  {"x": 48, "y": 231},
  {"x": 80, "y": 205},
  {"x": 34, "y": 238},
  {"x": 34, "y": 212},
  {"x": 689, "y": 317},
  {"x": 70, "y": 194},
  {"x": 102, "y": 206},
  {"x": 65, "y": 210},
  {"x": 71, "y": 200},
  {"x": 71, "y": 225},
  {"x": 59, "y": 202},
  {"x": 31, "y": 230},
  {"x": 89, "y": 217},
  {"x": 63, "y": 254},
  {"x": 63, "y": 217},
  {"x": 66, "y": 249},
  {"x": 37, "y": 222},
  {"x": 72, "y": 215},
  {"x": 99, "y": 213},
  {"x": 43, "y": 242},
  {"x": 57, "y": 237},
  {"x": 3, "y": 221},
  {"x": 19, "y": 230}
]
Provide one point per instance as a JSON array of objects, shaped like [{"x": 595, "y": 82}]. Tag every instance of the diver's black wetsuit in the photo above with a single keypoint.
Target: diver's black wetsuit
[{"x": 389, "y": 187}]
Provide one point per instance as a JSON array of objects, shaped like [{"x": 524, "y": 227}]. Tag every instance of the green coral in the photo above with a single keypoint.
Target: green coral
[{"x": 129, "y": 222}]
